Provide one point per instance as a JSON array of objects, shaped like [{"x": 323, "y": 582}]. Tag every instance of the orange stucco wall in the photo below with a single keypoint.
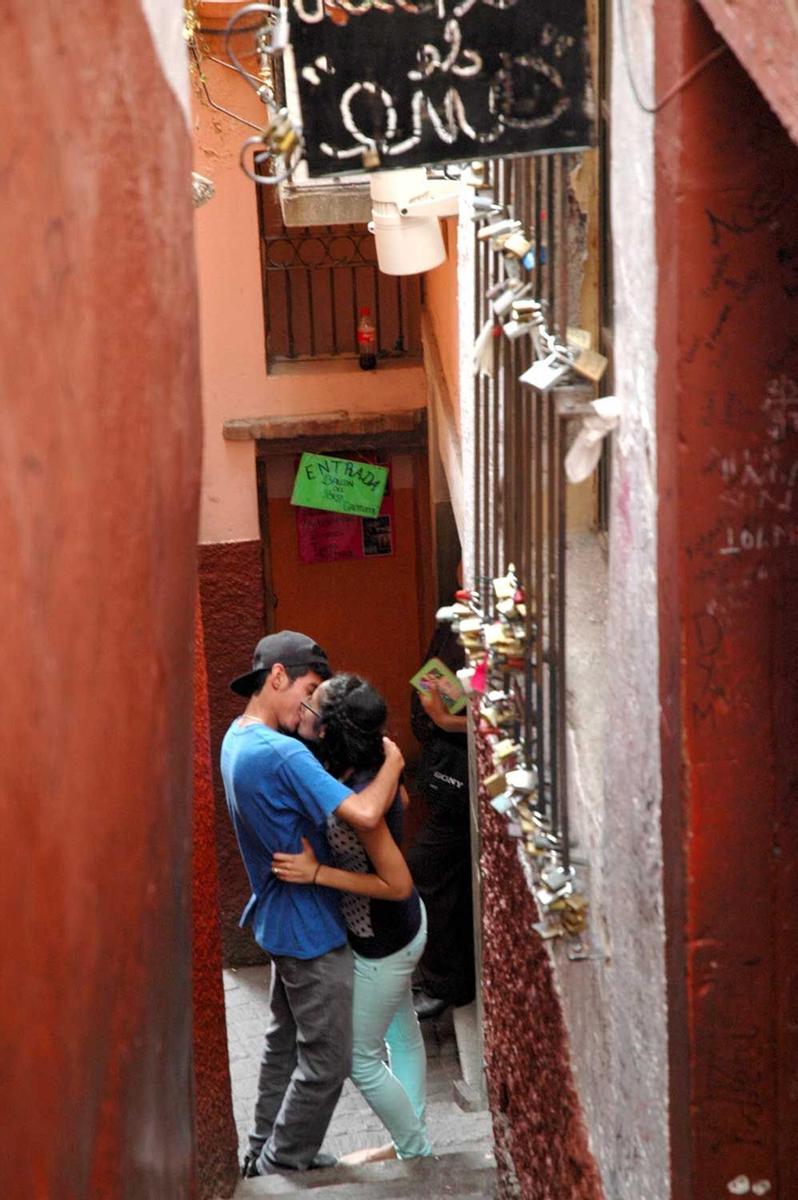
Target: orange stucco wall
[
  {"x": 99, "y": 462},
  {"x": 440, "y": 290},
  {"x": 234, "y": 377}
]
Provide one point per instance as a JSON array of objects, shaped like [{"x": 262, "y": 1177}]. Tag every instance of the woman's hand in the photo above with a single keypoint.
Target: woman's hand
[
  {"x": 433, "y": 704},
  {"x": 296, "y": 868}
]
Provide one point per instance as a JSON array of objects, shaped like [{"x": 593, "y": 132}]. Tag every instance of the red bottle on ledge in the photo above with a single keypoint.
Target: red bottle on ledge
[{"x": 366, "y": 341}]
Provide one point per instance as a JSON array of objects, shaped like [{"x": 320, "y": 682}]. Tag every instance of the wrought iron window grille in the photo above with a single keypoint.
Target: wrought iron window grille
[{"x": 316, "y": 280}]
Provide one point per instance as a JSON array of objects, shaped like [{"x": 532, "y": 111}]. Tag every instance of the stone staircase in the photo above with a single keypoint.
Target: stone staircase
[
  {"x": 462, "y": 1175},
  {"x": 463, "y": 1166}
]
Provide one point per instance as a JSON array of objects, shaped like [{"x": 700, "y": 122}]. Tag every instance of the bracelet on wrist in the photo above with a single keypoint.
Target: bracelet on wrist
[{"x": 316, "y": 872}]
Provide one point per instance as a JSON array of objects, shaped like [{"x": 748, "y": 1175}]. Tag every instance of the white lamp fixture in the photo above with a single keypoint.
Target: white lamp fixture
[{"x": 405, "y": 207}]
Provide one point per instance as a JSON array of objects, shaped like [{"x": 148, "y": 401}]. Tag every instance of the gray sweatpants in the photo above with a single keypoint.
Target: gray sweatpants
[{"x": 306, "y": 1057}]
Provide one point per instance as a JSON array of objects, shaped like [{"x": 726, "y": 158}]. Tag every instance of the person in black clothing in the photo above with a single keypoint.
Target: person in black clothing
[{"x": 440, "y": 857}]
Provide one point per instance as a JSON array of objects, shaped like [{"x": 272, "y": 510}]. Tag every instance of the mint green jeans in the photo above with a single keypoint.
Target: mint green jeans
[{"x": 383, "y": 1017}]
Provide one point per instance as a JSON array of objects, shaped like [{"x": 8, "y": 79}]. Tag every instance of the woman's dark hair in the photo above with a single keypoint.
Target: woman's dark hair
[{"x": 352, "y": 716}]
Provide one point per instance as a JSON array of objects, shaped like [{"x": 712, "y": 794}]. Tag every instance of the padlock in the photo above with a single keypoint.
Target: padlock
[
  {"x": 498, "y": 229},
  {"x": 509, "y": 648},
  {"x": 502, "y": 803},
  {"x": 590, "y": 365},
  {"x": 580, "y": 339},
  {"x": 546, "y": 372},
  {"x": 553, "y": 900},
  {"x": 484, "y": 208},
  {"x": 573, "y": 923},
  {"x": 523, "y": 780},
  {"x": 505, "y": 299},
  {"x": 548, "y": 929},
  {"x": 529, "y": 307},
  {"x": 556, "y": 878},
  {"x": 494, "y": 784},
  {"x": 517, "y": 329},
  {"x": 504, "y": 587},
  {"x": 505, "y": 750},
  {"x": 281, "y": 137}
]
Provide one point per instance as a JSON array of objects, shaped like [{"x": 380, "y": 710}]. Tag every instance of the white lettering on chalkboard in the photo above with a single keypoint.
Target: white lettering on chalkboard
[
  {"x": 464, "y": 79},
  {"x": 431, "y": 59}
]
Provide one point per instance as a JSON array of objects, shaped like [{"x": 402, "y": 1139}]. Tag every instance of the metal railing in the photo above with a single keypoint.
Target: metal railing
[{"x": 519, "y": 482}]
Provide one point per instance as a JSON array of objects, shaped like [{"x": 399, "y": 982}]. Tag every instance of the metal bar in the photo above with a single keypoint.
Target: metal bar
[
  {"x": 562, "y": 749},
  {"x": 537, "y": 443},
  {"x": 289, "y": 313},
  {"x": 311, "y": 314},
  {"x": 536, "y": 183},
  {"x": 400, "y": 296},
  {"x": 212, "y": 103},
  {"x": 562, "y": 249},
  {"x": 552, "y": 249},
  {"x": 486, "y": 453},
  {"x": 333, "y": 310},
  {"x": 525, "y": 449},
  {"x": 506, "y": 409},
  {"x": 552, "y": 606},
  {"x": 478, "y": 290},
  {"x": 354, "y": 307},
  {"x": 496, "y": 487}
]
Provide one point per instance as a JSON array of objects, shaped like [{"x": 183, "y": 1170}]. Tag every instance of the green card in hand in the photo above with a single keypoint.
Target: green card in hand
[{"x": 450, "y": 687}]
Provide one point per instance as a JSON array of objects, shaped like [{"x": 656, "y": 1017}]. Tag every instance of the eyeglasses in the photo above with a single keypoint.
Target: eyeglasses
[{"x": 312, "y": 711}]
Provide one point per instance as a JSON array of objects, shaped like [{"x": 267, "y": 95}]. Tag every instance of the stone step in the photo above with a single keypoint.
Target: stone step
[{"x": 464, "y": 1175}]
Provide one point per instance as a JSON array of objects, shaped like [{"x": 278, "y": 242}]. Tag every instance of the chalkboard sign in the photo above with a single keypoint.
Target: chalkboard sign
[{"x": 435, "y": 82}]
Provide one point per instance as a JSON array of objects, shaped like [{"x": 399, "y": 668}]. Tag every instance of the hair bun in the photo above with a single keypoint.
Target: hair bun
[{"x": 366, "y": 706}]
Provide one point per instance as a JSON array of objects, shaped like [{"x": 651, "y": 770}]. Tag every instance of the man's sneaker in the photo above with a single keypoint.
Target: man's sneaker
[
  {"x": 249, "y": 1167},
  {"x": 320, "y": 1161},
  {"x": 268, "y": 1166}
]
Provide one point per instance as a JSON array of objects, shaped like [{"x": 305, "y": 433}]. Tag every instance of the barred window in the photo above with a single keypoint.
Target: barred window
[{"x": 316, "y": 280}]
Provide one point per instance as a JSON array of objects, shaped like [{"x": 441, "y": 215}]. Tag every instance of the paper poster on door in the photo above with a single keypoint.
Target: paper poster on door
[{"x": 325, "y": 537}]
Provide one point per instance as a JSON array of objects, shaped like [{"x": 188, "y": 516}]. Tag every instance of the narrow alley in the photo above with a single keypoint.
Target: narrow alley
[
  {"x": 399, "y": 528},
  {"x": 464, "y": 1138}
]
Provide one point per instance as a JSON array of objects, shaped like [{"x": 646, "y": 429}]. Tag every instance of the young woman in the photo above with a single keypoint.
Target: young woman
[{"x": 385, "y": 918}]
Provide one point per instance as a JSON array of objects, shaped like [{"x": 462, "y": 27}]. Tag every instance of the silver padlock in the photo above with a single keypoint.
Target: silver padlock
[
  {"x": 523, "y": 779},
  {"x": 557, "y": 878}
]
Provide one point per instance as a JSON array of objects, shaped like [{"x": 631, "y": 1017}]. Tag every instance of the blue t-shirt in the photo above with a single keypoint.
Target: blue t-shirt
[{"x": 278, "y": 793}]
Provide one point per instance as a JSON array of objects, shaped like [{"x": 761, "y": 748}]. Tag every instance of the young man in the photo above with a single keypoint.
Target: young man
[{"x": 277, "y": 793}]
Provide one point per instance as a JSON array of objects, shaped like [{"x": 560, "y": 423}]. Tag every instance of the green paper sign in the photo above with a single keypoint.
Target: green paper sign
[{"x": 339, "y": 485}]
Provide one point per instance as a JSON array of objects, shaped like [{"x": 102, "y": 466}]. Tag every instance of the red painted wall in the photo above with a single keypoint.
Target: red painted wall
[
  {"x": 217, "y": 1139},
  {"x": 541, "y": 1142},
  {"x": 231, "y": 591},
  {"x": 765, "y": 39},
  {"x": 99, "y": 475},
  {"x": 727, "y": 217}
]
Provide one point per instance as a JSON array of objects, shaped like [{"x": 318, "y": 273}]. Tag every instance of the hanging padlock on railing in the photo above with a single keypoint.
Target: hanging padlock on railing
[{"x": 280, "y": 141}]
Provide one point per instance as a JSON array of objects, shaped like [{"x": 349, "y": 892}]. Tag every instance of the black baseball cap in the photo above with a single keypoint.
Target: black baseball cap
[{"x": 289, "y": 648}]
